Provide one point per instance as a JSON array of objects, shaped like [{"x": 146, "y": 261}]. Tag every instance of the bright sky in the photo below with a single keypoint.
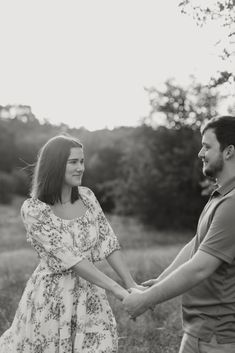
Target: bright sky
[{"x": 86, "y": 62}]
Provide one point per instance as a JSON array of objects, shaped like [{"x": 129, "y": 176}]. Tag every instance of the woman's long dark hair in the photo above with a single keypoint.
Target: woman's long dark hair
[{"x": 50, "y": 169}]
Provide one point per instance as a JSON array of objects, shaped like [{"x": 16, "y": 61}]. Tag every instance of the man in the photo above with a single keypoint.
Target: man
[{"x": 204, "y": 270}]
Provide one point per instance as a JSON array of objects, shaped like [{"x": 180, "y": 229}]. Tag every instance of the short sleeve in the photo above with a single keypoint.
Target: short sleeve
[
  {"x": 107, "y": 241},
  {"x": 220, "y": 238},
  {"x": 52, "y": 243}
]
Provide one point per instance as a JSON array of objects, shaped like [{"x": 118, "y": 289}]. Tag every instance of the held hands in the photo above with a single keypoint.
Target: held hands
[
  {"x": 138, "y": 286},
  {"x": 121, "y": 293},
  {"x": 134, "y": 303}
]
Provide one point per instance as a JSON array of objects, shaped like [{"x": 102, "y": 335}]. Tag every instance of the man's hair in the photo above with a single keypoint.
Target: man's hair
[
  {"x": 223, "y": 128},
  {"x": 49, "y": 171}
]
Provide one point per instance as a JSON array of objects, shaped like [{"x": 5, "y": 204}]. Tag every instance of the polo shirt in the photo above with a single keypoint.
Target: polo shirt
[{"x": 209, "y": 308}]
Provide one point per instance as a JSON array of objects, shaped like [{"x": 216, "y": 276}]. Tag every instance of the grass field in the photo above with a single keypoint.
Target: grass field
[{"x": 147, "y": 253}]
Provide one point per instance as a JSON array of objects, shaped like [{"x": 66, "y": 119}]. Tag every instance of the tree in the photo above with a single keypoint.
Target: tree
[
  {"x": 159, "y": 179},
  {"x": 180, "y": 106},
  {"x": 223, "y": 13},
  {"x": 8, "y": 149},
  {"x": 101, "y": 169}
]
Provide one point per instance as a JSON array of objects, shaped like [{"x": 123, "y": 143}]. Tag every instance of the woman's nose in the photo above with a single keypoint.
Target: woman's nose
[{"x": 80, "y": 166}]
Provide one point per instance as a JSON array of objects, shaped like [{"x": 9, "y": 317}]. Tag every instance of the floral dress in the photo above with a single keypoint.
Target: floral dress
[{"x": 60, "y": 312}]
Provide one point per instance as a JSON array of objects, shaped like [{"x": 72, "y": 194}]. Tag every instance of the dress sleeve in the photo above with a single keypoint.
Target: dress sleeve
[
  {"x": 107, "y": 241},
  {"x": 51, "y": 242}
]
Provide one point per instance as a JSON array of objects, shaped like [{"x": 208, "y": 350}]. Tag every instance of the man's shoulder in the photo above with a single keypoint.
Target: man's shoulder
[
  {"x": 229, "y": 197},
  {"x": 226, "y": 206}
]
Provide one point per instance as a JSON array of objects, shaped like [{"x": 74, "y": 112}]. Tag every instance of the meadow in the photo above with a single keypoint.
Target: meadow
[{"x": 147, "y": 252}]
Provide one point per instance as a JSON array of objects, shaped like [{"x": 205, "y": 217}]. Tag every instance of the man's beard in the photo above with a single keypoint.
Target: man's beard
[{"x": 214, "y": 169}]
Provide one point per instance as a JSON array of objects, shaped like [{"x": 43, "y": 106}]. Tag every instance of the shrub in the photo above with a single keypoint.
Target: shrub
[
  {"x": 21, "y": 182},
  {"x": 7, "y": 186}
]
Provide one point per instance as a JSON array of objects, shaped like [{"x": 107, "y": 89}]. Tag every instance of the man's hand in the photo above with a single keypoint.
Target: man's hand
[
  {"x": 134, "y": 303},
  {"x": 150, "y": 282},
  {"x": 139, "y": 287}
]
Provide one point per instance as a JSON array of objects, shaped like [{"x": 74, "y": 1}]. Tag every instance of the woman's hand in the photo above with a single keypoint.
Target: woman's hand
[
  {"x": 120, "y": 292},
  {"x": 150, "y": 282},
  {"x": 139, "y": 287},
  {"x": 134, "y": 303}
]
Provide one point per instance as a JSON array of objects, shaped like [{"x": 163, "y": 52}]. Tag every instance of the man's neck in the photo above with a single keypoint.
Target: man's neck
[{"x": 225, "y": 176}]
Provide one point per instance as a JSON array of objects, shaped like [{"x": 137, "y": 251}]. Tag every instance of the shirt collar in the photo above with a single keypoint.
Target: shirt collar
[{"x": 226, "y": 188}]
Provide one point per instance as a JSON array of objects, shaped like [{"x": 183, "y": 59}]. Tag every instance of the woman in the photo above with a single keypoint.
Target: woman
[{"x": 64, "y": 307}]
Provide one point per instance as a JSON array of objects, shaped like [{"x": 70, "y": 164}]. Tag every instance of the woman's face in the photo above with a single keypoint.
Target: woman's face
[{"x": 74, "y": 167}]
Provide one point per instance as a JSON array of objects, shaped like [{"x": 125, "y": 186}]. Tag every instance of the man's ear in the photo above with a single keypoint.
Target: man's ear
[{"x": 229, "y": 151}]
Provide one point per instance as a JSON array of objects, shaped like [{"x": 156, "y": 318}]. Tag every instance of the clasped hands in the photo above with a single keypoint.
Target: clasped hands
[{"x": 135, "y": 302}]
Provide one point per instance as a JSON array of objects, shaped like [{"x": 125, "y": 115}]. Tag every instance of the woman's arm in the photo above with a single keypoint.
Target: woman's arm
[
  {"x": 92, "y": 274},
  {"x": 116, "y": 261}
]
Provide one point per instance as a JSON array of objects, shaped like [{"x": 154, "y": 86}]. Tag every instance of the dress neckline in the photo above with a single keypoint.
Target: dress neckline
[
  {"x": 68, "y": 220},
  {"x": 65, "y": 219}
]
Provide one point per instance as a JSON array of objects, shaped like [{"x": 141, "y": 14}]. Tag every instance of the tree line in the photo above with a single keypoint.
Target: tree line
[{"x": 151, "y": 171}]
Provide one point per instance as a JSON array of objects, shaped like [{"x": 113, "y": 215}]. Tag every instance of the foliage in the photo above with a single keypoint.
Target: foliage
[
  {"x": 6, "y": 187},
  {"x": 21, "y": 181},
  {"x": 159, "y": 179},
  {"x": 182, "y": 106},
  {"x": 101, "y": 169},
  {"x": 7, "y": 148},
  {"x": 223, "y": 14},
  {"x": 211, "y": 10},
  {"x": 150, "y": 171},
  {"x": 16, "y": 182},
  {"x": 159, "y": 176}
]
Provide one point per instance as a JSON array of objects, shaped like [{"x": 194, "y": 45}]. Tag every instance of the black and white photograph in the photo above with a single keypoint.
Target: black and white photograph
[{"x": 117, "y": 176}]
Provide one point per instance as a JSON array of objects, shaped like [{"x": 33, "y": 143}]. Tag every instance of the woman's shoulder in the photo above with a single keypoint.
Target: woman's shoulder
[
  {"x": 33, "y": 202},
  {"x": 33, "y": 207},
  {"x": 84, "y": 190}
]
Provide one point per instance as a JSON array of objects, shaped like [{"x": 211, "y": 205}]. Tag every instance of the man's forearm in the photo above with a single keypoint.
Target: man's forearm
[
  {"x": 191, "y": 273},
  {"x": 181, "y": 258},
  {"x": 177, "y": 283}
]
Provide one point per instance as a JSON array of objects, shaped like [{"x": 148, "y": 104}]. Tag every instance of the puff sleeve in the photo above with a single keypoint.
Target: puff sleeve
[
  {"x": 52, "y": 243},
  {"x": 107, "y": 241}
]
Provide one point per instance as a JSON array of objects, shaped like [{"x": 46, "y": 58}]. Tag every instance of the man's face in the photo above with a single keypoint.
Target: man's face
[{"x": 211, "y": 155}]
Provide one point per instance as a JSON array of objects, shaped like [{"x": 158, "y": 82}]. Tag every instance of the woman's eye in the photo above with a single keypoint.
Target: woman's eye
[{"x": 76, "y": 161}]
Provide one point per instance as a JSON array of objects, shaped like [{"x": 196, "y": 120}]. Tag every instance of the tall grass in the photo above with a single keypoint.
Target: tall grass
[{"x": 147, "y": 253}]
